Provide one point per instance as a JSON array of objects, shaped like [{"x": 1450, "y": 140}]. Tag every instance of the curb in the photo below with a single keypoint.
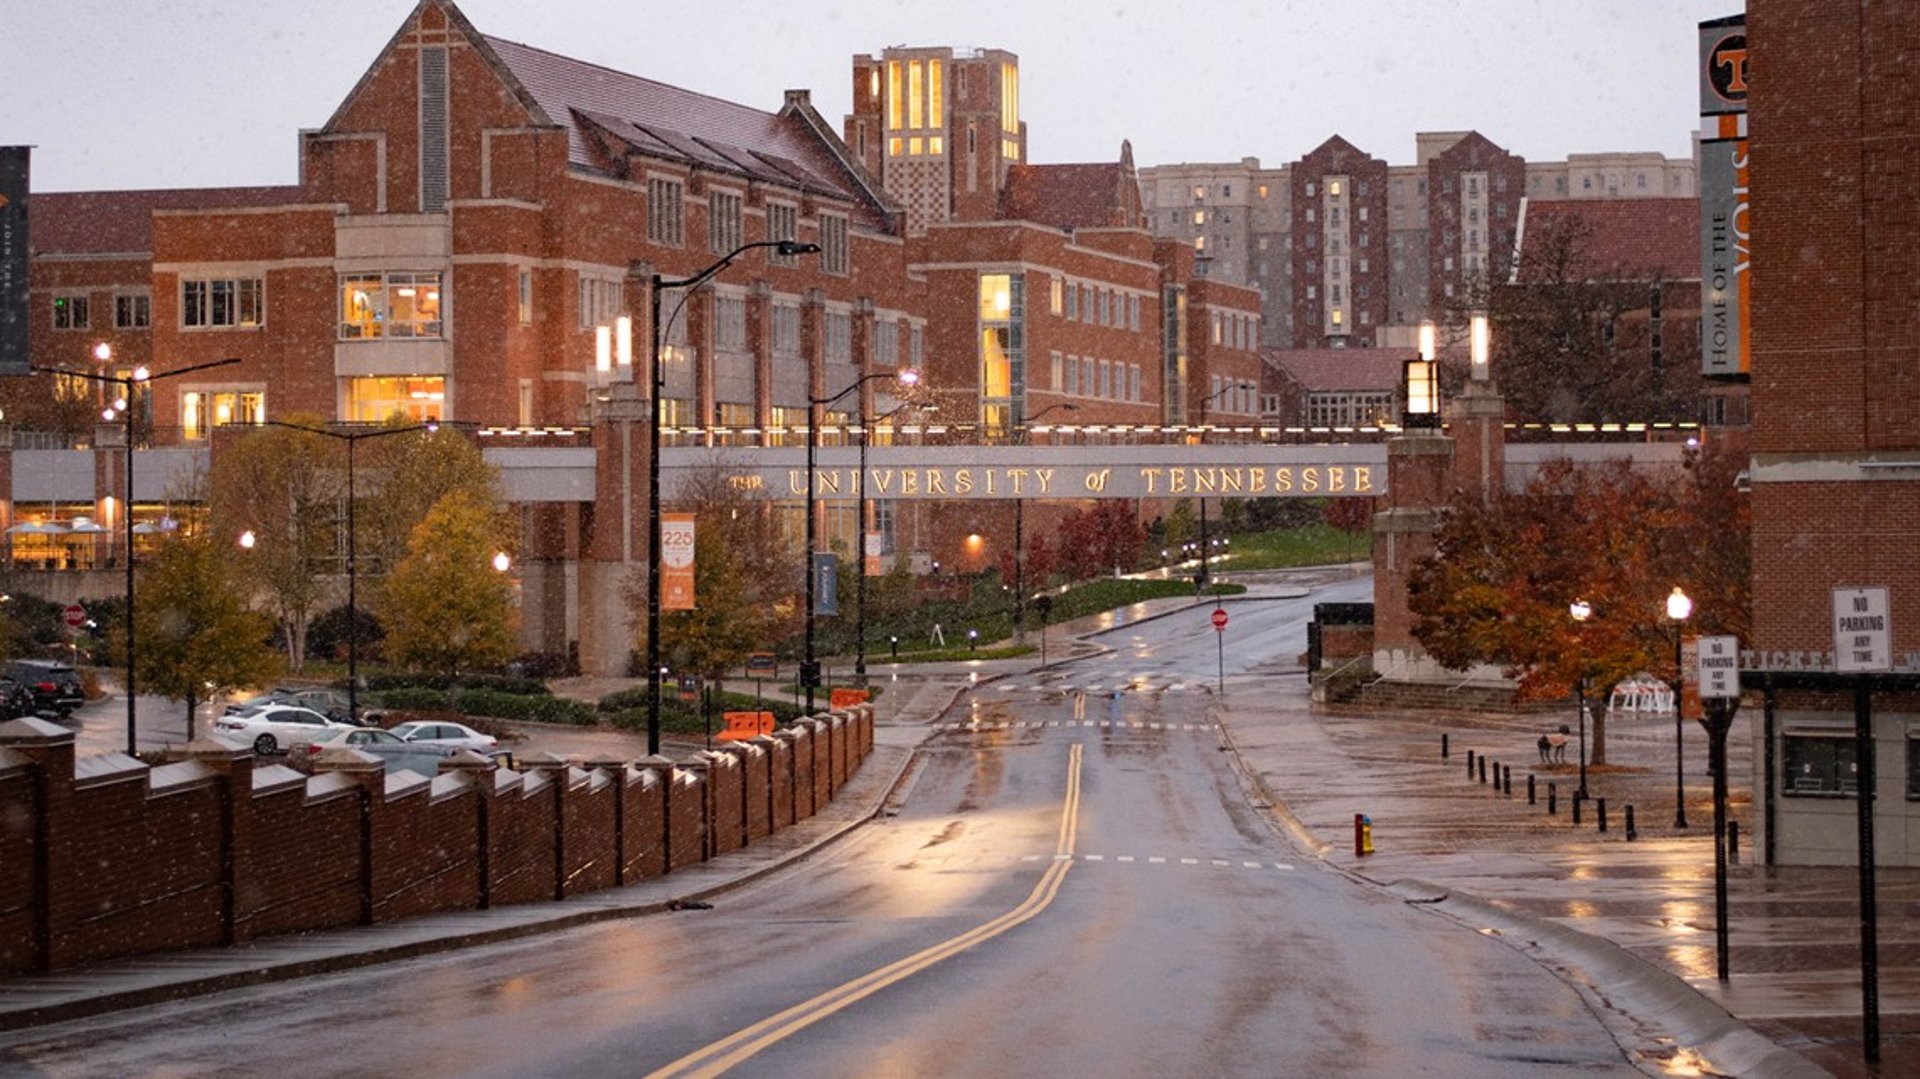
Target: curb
[{"x": 1623, "y": 984}]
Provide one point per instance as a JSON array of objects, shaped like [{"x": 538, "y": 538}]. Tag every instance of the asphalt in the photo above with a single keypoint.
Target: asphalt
[{"x": 1628, "y": 921}]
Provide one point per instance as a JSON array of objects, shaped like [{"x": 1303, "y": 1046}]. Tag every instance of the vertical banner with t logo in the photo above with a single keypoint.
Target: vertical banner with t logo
[
  {"x": 875, "y": 544},
  {"x": 826, "y": 583},
  {"x": 14, "y": 161},
  {"x": 676, "y": 561}
]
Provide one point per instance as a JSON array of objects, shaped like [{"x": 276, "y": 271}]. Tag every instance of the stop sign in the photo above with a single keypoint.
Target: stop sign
[
  {"x": 1219, "y": 618},
  {"x": 74, "y": 616}
]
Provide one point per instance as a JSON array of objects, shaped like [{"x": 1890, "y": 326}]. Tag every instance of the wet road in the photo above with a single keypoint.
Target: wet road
[{"x": 1070, "y": 883}]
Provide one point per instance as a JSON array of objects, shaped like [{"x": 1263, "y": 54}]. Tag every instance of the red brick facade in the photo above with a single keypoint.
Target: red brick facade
[{"x": 221, "y": 848}]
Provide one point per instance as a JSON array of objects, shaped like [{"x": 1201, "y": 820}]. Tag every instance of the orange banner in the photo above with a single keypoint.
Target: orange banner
[{"x": 676, "y": 561}]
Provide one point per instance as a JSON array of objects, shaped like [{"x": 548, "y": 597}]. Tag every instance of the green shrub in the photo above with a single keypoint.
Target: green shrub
[
  {"x": 499, "y": 683},
  {"x": 413, "y": 699}
]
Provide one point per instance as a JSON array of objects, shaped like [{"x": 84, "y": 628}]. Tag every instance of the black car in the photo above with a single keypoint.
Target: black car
[{"x": 53, "y": 685}]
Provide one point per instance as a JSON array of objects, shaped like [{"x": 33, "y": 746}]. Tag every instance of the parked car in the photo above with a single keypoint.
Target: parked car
[
  {"x": 273, "y": 726},
  {"x": 16, "y": 700},
  {"x": 395, "y": 751},
  {"x": 440, "y": 732},
  {"x": 331, "y": 703},
  {"x": 55, "y": 685}
]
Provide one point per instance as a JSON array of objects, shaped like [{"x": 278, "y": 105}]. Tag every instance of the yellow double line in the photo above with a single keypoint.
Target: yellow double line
[{"x": 718, "y": 1057}]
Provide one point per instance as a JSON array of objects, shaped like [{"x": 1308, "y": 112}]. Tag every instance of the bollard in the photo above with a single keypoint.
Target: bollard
[
  {"x": 1553, "y": 799},
  {"x": 1600, "y": 811},
  {"x": 1483, "y": 769},
  {"x": 1531, "y": 800},
  {"x": 1469, "y": 765},
  {"x": 1509, "y": 783},
  {"x": 1443, "y": 745},
  {"x": 1577, "y": 799},
  {"x": 1362, "y": 834},
  {"x": 1733, "y": 841},
  {"x": 1632, "y": 833}
]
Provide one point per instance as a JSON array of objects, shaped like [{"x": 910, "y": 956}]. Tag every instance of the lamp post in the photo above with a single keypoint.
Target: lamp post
[
  {"x": 1019, "y": 529},
  {"x": 1580, "y": 610},
  {"x": 860, "y": 487},
  {"x": 655, "y": 387},
  {"x": 1200, "y": 577},
  {"x": 810, "y": 667},
  {"x": 103, "y": 353},
  {"x": 1678, "y": 608},
  {"x": 353, "y": 439}
]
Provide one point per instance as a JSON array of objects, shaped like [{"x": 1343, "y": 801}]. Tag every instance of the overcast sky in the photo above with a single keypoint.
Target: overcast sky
[{"x": 202, "y": 93}]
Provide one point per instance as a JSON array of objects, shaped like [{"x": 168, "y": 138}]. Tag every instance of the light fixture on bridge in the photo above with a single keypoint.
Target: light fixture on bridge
[
  {"x": 1422, "y": 394},
  {"x": 1479, "y": 341}
]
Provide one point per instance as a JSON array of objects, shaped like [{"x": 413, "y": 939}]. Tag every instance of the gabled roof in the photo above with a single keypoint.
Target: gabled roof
[
  {"x": 1339, "y": 370},
  {"x": 596, "y": 104},
  {"x": 1644, "y": 236},
  {"x": 121, "y": 222}
]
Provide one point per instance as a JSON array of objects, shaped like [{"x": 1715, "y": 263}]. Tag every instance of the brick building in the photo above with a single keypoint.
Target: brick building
[
  {"x": 473, "y": 236},
  {"x": 1410, "y": 237},
  {"x": 1835, "y": 466}
]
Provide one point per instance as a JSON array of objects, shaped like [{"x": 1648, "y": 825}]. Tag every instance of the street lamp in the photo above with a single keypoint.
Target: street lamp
[
  {"x": 1019, "y": 530},
  {"x": 1200, "y": 578},
  {"x": 860, "y": 486},
  {"x": 1421, "y": 385},
  {"x": 1580, "y": 610},
  {"x": 1678, "y": 608},
  {"x": 657, "y": 386},
  {"x": 810, "y": 667},
  {"x": 353, "y": 439},
  {"x": 103, "y": 353}
]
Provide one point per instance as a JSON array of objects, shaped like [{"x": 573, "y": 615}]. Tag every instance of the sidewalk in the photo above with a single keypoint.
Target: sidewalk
[{"x": 1632, "y": 922}]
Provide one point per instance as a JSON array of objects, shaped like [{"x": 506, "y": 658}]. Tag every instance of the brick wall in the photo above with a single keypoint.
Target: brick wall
[{"x": 111, "y": 858}]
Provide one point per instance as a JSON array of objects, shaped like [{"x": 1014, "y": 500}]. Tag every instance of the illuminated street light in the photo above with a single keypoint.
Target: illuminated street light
[
  {"x": 103, "y": 353},
  {"x": 1580, "y": 610},
  {"x": 656, "y": 386},
  {"x": 1678, "y": 608}
]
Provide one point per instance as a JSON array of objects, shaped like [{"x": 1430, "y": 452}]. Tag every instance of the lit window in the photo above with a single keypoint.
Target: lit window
[
  {"x": 913, "y": 146},
  {"x": 1333, "y": 188},
  {"x": 1337, "y": 319},
  {"x": 936, "y": 146},
  {"x": 1263, "y": 190},
  {"x": 377, "y": 400},
  {"x": 1199, "y": 217},
  {"x": 1199, "y": 243},
  {"x": 1055, "y": 296},
  {"x": 389, "y": 305},
  {"x": 526, "y": 297},
  {"x": 203, "y": 410},
  {"x": 936, "y": 94},
  {"x": 895, "y": 146}
]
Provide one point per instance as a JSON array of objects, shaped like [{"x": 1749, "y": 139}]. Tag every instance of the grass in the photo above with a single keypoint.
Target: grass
[{"x": 1313, "y": 545}]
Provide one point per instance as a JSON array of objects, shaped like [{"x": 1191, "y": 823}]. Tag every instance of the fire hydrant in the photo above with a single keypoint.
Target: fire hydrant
[{"x": 1362, "y": 834}]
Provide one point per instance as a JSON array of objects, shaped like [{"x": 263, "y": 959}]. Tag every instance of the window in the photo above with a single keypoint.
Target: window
[
  {"x": 1073, "y": 303},
  {"x": 70, "y": 312},
  {"x": 203, "y": 410},
  {"x": 786, "y": 329},
  {"x": 526, "y": 297},
  {"x": 376, "y": 400},
  {"x": 1106, "y": 379},
  {"x": 599, "y": 301},
  {"x": 886, "y": 342},
  {"x": 783, "y": 223},
  {"x": 1055, "y": 299},
  {"x": 1133, "y": 313},
  {"x": 1199, "y": 243},
  {"x": 1073, "y": 375},
  {"x": 665, "y": 211},
  {"x": 1262, "y": 191},
  {"x": 389, "y": 305},
  {"x": 1821, "y": 764},
  {"x": 222, "y": 302},
  {"x": 1133, "y": 382},
  {"x": 917, "y": 345},
  {"x": 1226, "y": 191},
  {"x": 839, "y": 337},
  {"x": 1057, "y": 368},
  {"x": 730, "y": 323},
  {"x": 132, "y": 311},
  {"x": 1199, "y": 217},
  {"x": 723, "y": 221},
  {"x": 833, "y": 243}
]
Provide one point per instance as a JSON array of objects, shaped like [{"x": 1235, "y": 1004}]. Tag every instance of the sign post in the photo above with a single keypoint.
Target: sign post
[
  {"x": 75, "y": 616},
  {"x": 1719, "y": 681},
  {"x": 1863, "y": 644},
  {"x": 1220, "y": 642}
]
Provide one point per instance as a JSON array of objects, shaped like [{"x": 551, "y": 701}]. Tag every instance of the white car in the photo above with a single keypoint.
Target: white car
[
  {"x": 272, "y": 727},
  {"x": 439, "y": 732}
]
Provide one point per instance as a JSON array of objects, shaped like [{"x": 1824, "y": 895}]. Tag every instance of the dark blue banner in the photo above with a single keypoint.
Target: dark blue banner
[
  {"x": 14, "y": 161},
  {"x": 826, "y": 583}
]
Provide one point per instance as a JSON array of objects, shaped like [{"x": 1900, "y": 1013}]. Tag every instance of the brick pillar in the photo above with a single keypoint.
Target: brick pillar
[
  {"x": 556, "y": 771},
  {"x": 48, "y": 748},
  {"x": 616, "y": 770},
  {"x": 1419, "y": 474},
  {"x": 370, "y": 774},
  {"x": 478, "y": 772},
  {"x": 236, "y": 828},
  {"x": 1477, "y": 422}
]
